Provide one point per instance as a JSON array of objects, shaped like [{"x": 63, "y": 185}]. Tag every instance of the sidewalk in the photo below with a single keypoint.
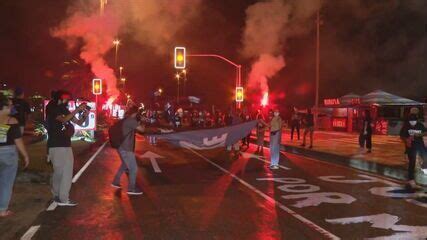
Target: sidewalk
[
  {"x": 387, "y": 157},
  {"x": 32, "y": 189}
]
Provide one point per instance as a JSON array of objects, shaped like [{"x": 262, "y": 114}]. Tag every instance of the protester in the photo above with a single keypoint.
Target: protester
[
  {"x": 309, "y": 127},
  {"x": 365, "y": 137},
  {"x": 152, "y": 118},
  {"x": 178, "y": 118},
  {"x": 169, "y": 114},
  {"x": 260, "y": 131},
  {"x": 231, "y": 119},
  {"x": 295, "y": 124},
  {"x": 60, "y": 131},
  {"x": 275, "y": 137},
  {"x": 10, "y": 141},
  {"x": 246, "y": 140},
  {"x": 21, "y": 108},
  {"x": 412, "y": 134},
  {"x": 129, "y": 126}
]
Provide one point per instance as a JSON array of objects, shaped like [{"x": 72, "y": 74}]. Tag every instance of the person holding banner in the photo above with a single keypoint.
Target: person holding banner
[
  {"x": 260, "y": 131},
  {"x": 276, "y": 125},
  {"x": 127, "y": 128}
]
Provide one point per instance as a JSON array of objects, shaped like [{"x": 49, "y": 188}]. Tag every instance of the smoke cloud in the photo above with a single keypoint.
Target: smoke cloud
[
  {"x": 96, "y": 33},
  {"x": 268, "y": 26},
  {"x": 153, "y": 23}
]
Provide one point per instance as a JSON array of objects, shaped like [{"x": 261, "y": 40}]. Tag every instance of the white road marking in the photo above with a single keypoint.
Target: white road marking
[
  {"x": 346, "y": 167},
  {"x": 30, "y": 232},
  {"x": 155, "y": 165},
  {"x": 152, "y": 156},
  {"x": 52, "y": 206},
  {"x": 307, "y": 222},
  {"x": 77, "y": 176},
  {"x": 262, "y": 159},
  {"x": 418, "y": 203}
]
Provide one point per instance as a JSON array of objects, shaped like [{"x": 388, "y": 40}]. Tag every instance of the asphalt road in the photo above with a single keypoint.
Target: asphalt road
[{"x": 211, "y": 195}]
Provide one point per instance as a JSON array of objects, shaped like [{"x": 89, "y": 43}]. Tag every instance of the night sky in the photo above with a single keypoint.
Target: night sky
[{"x": 365, "y": 46}]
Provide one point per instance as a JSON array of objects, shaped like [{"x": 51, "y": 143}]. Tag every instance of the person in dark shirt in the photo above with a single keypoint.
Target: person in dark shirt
[
  {"x": 21, "y": 108},
  {"x": 412, "y": 134},
  {"x": 365, "y": 137},
  {"x": 10, "y": 142},
  {"x": 245, "y": 141},
  {"x": 295, "y": 123},
  {"x": 60, "y": 130},
  {"x": 309, "y": 127}
]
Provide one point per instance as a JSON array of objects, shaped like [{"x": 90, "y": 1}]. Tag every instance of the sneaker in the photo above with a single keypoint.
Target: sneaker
[
  {"x": 68, "y": 203},
  {"x": 134, "y": 192},
  {"x": 274, "y": 167},
  {"x": 56, "y": 199},
  {"x": 118, "y": 186},
  {"x": 413, "y": 186}
]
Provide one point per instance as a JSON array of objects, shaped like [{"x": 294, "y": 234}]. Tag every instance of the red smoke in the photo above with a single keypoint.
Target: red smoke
[{"x": 97, "y": 34}]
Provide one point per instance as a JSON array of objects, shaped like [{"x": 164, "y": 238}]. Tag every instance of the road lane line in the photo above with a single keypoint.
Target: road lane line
[
  {"x": 307, "y": 222},
  {"x": 280, "y": 166},
  {"x": 413, "y": 201},
  {"x": 155, "y": 165},
  {"x": 52, "y": 206},
  {"x": 346, "y": 167},
  {"x": 77, "y": 176},
  {"x": 30, "y": 232}
]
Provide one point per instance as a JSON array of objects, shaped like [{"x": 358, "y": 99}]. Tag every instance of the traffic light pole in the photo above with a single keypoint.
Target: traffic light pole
[{"x": 237, "y": 66}]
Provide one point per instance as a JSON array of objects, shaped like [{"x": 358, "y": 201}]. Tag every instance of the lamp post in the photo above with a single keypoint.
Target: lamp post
[
  {"x": 316, "y": 105},
  {"x": 116, "y": 44},
  {"x": 184, "y": 82},
  {"x": 123, "y": 80},
  {"x": 121, "y": 70},
  {"x": 177, "y": 76}
]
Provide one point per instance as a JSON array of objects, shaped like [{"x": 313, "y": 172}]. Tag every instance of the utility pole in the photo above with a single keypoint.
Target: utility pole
[{"x": 317, "y": 66}]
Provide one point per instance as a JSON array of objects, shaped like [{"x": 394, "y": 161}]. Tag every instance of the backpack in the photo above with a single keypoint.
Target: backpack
[{"x": 115, "y": 134}]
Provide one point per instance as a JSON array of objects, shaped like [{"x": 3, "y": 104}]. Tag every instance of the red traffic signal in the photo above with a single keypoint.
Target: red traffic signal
[
  {"x": 239, "y": 94},
  {"x": 97, "y": 86},
  {"x": 179, "y": 57}
]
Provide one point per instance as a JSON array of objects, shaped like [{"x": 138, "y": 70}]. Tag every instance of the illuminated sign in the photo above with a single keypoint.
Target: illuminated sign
[
  {"x": 331, "y": 101},
  {"x": 339, "y": 122},
  {"x": 355, "y": 101},
  {"x": 90, "y": 123}
]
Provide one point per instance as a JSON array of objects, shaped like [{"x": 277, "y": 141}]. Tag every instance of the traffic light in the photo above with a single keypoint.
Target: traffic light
[
  {"x": 97, "y": 86},
  {"x": 239, "y": 94},
  {"x": 179, "y": 57}
]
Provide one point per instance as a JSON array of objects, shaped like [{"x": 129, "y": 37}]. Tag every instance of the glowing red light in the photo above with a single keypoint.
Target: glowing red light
[{"x": 264, "y": 100}]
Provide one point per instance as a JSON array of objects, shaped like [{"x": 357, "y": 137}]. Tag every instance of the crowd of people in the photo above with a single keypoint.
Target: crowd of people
[{"x": 59, "y": 120}]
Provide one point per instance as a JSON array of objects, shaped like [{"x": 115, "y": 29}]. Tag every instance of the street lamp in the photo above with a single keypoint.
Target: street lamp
[
  {"x": 318, "y": 23},
  {"x": 116, "y": 43},
  {"x": 121, "y": 69},
  {"x": 184, "y": 71}
]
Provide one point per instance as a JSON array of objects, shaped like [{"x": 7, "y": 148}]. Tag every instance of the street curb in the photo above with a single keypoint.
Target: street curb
[{"x": 399, "y": 173}]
